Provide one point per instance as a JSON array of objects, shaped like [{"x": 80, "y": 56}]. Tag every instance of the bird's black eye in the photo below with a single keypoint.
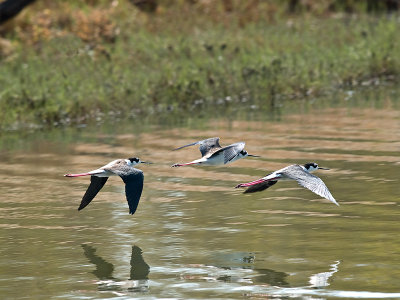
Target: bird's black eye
[
  {"x": 134, "y": 159},
  {"x": 243, "y": 152}
]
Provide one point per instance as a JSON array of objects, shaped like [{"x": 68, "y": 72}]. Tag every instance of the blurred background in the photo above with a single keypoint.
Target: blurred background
[{"x": 72, "y": 62}]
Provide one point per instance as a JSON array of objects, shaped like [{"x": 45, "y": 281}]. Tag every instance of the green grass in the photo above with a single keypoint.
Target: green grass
[{"x": 183, "y": 68}]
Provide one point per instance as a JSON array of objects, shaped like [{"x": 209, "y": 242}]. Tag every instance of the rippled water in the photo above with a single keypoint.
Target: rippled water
[{"x": 194, "y": 235}]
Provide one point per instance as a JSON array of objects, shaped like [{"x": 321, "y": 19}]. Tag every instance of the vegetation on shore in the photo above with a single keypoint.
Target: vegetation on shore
[{"x": 69, "y": 63}]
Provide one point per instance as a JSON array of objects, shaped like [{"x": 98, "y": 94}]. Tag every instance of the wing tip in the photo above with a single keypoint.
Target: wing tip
[
  {"x": 188, "y": 145},
  {"x": 330, "y": 198},
  {"x": 334, "y": 201}
]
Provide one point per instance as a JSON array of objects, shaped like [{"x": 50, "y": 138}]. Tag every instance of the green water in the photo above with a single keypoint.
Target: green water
[{"x": 194, "y": 235}]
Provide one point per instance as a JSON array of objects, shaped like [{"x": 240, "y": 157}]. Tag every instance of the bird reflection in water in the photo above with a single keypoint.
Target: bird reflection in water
[
  {"x": 320, "y": 280},
  {"x": 271, "y": 277},
  {"x": 234, "y": 267},
  {"x": 138, "y": 279},
  {"x": 317, "y": 281}
]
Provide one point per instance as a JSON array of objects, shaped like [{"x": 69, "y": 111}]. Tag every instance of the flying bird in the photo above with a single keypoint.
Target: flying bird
[
  {"x": 124, "y": 168},
  {"x": 302, "y": 174},
  {"x": 213, "y": 154}
]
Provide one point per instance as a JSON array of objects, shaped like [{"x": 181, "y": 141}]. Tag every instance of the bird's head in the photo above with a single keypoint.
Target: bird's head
[
  {"x": 244, "y": 153},
  {"x": 132, "y": 161},
  {"x": 310, "y": 167}
]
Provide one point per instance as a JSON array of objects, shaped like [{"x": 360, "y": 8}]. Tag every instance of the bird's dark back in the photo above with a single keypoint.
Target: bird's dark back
[{"x": 210, "y": 145}]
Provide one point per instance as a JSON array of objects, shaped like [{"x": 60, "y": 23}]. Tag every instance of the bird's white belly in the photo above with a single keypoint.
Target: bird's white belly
[
  {"x": 239, "y": 156},
  {"x": 214, "y": 160}
]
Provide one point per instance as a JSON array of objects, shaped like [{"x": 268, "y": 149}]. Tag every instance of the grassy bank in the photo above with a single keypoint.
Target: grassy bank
[{"x": 122, "y": 61}]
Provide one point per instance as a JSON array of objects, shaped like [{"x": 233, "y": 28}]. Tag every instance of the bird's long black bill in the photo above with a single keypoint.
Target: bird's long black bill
[
  {"x": 251, "y": 155},
  {"x": 146, "y": 162},
  {"x": 319, "y": 168}
]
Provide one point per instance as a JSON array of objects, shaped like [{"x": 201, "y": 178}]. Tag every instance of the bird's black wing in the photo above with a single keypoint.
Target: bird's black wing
[
  {"x": 133, "y": 189},
  {"x": 230, "y": 152},
  {"x": 260, "y": 186},
  {"x": 96, "y": 183},
  {"x": 205, "y": 145}
]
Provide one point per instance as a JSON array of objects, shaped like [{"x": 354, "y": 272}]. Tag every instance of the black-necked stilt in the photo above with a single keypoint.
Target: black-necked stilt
[
  {"x": 124, "y": 168},
  {"x": 293, "y": 172},
  {"x": 213, "y": 154}
]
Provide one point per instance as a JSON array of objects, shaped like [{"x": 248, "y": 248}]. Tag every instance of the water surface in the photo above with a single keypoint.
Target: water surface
[{"x": 194, "y": 235}]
